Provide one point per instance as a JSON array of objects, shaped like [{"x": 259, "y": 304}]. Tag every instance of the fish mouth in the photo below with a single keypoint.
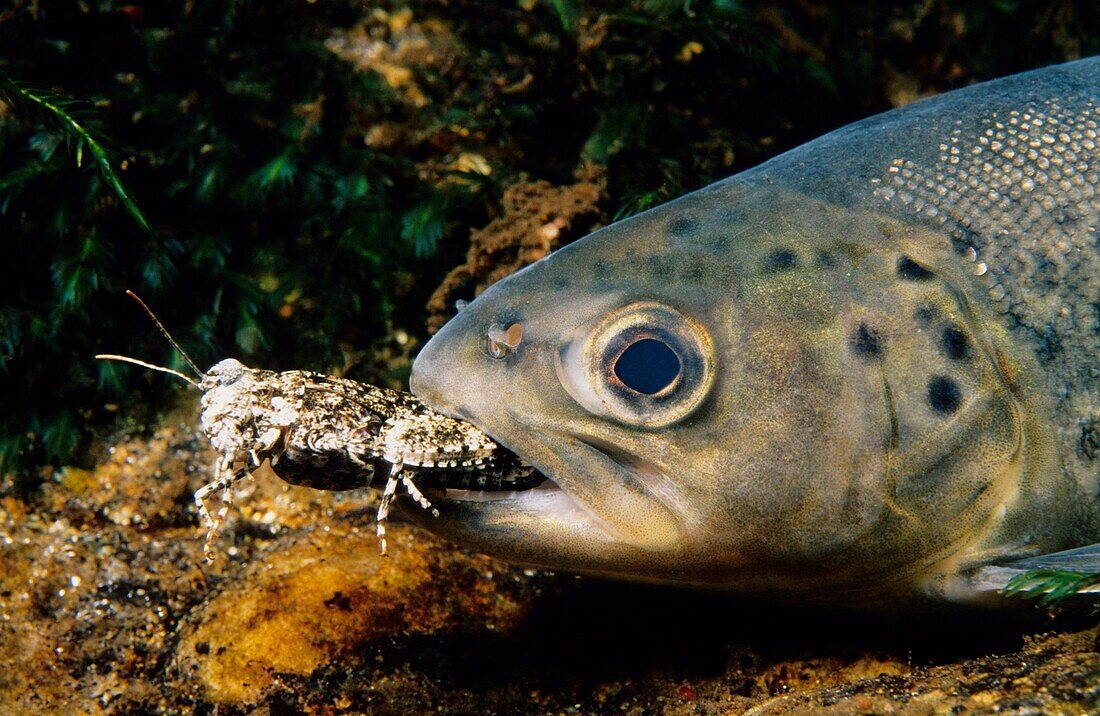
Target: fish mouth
[
  {"x": 536, "y": 490},
  {"x": 544, "y": 498},
  {"x": 584, "y": 496}
]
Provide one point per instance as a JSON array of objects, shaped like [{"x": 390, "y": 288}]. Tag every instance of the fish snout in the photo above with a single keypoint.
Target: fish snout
[
  {"x": 426, "y": 370},
  {"x": 446, "y": 372},
  {"x": 443, "y": 366}
]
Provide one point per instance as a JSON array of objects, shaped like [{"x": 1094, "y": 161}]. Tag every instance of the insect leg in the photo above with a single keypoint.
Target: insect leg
[
  {"x": 223, "y": 481},
  {"x": 384, "y": 506},
  {"x": 416, "y": 494}
]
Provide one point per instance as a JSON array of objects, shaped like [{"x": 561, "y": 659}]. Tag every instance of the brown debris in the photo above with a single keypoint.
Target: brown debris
[
  {"x": 535, "y": 217},
  {"x": 1051, "y": 674},
  {"x": 399, "y": 47}
]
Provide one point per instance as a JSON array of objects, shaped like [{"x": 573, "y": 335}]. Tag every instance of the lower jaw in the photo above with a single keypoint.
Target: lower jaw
[
  {"x": 542, "y": 527},
  {"x": 475, "y": 511},
  {"x": 546, "y": 500}
]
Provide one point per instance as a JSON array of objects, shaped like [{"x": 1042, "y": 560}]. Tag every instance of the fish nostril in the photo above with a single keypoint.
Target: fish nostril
[{"x": 503, "y": 340}]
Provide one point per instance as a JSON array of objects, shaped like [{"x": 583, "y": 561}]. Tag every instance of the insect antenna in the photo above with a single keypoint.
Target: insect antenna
[
  {"x": 143, "y": 364},
  {"x": 165, "y": 333}
]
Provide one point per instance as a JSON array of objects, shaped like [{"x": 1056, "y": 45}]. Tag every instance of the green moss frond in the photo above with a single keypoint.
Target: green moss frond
[{"x": 61, "y": 112}]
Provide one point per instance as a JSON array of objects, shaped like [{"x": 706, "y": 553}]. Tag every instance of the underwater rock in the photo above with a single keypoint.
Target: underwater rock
[{"x": 311, "y": 600}]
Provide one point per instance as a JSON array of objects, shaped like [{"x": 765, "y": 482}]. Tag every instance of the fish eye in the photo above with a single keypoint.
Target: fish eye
[
  {"x": 647, "y": 366},
  {"x": 644, "y": 364}
]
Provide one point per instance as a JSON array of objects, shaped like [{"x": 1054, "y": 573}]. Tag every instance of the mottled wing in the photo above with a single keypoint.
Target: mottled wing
[
  {"x": 349, "y": 434},
  {"x": 334, "y": 445}
]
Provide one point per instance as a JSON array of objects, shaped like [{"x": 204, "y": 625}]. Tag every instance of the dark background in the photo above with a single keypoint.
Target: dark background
[{"x": 309, "y": 171}]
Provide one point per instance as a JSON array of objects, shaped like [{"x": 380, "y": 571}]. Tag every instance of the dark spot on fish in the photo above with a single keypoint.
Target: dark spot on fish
[
  {"x": 779, "y": 260},
  {"x": 1050, "y": 344},
  {"x": 944, "y": 395},
  {"x": 683, "y": 225},
  {"x": 910, "y": 270},
  {"x": 866, "y": 341},
  {"x": 694, "y": 271},
  {"x": 955, "y": 343},
  {"x": 1088, "y": 446},
  {"x": 826, "y": 259},
  {"x": 924, "y": 315}
]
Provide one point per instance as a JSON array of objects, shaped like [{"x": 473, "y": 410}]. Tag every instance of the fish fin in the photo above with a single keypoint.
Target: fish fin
[{"x": 1085, "y": 560}]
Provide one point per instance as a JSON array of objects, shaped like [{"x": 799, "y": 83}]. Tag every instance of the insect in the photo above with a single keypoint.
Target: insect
[{"x": 333, "y": 433}]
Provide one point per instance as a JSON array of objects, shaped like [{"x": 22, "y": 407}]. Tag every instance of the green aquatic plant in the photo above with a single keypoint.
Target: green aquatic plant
[
  {"x": 1051, "y": 586},
  {"x": 64, "y": 113}
]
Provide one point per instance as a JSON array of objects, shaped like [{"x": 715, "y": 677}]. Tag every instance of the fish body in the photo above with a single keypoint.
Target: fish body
[{"x": 863, "y": 370}]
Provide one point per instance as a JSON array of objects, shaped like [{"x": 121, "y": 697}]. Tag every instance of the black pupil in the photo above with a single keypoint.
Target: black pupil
[{"x": 647, "y": 366}]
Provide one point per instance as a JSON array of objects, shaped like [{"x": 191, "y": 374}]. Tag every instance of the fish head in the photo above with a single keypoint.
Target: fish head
[{"x": 742, "y": 388}]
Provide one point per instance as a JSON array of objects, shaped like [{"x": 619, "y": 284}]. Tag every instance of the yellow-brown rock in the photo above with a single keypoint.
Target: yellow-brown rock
[{"x": 328, "y": 592}]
